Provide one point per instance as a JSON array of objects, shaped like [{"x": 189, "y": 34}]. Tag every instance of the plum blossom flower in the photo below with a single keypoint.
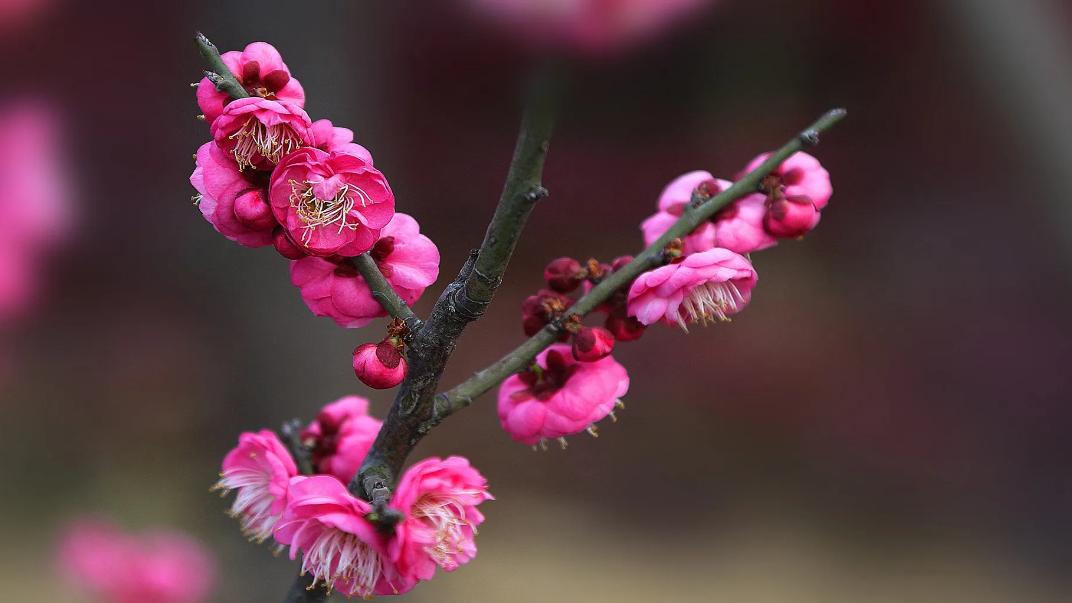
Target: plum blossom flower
[
  {"x": 407, "y": 259},
  {"x": 259, "y": 133},
  {"x": 705, "y": 286},
  {"x": 380, "y": 365},
  {"x": 259, "y": 470},
  {"x": 737, "y": 227},
  {"x": 588, "y": 26},
  {"x": 560, "y": 396},
  {"x": 796, "y": 191},
  {"x": 341, "y": 436},
  {"x": 261, "y": 71},
  {"x": 156, "y": 567},
  {"x": 439, "y": 500},
  {"x": 331, "y": 203},
  {"x": 233, "y": 202},
  {"x": 340, "y": 548}
]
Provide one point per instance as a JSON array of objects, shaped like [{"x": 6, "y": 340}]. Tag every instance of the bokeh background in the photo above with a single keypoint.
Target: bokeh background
[{"x": 889, "y": 420}]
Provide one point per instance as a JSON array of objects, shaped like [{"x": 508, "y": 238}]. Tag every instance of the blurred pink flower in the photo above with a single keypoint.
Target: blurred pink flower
[
  {"x": 258, "y": 132},
  {"x": 341, "y": 436},
  {"x": 439, "y": 500},
  {"x": 259, "y": 469},
  {"x": 701, "y": 287},
  {"x": 380, "y": 365},
  {"x": 589, "y": 26},
  {"x": 407, "y": 259},
  {"x": 234, "y": 202},
  {"x": 155, "y": 567},
  {"x": 561, "y": 396},
  {"x": 339, "y": 546},
  {"x": 261, "y": 71},
  {"x": 34, "y": 200},
  {"x": 331, "y": 203}
]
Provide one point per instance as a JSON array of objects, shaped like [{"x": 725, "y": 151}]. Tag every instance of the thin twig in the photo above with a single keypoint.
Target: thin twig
[
  {"x": 220, "y": 74},
  {"x": 384, "y": 293},
  {"x": 463, "y": 394}
]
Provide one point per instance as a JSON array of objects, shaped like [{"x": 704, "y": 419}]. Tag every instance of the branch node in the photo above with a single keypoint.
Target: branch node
[
  {"x": 536, "y": 193},
  {"x": 809, "y": 138}
]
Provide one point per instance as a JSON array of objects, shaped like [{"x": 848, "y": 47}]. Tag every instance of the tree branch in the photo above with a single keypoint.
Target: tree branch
[
  {"x": 384, "y": 293},
  {"x": 220, "y": 74},
  {"x": 463, "y": 394},
  {"x": 465, "y": 299}
]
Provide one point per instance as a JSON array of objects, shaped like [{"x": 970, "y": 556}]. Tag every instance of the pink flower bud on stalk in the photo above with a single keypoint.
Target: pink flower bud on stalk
[
  {"x": 591, "y": 344},
  {"x": 380, "y": 365}
]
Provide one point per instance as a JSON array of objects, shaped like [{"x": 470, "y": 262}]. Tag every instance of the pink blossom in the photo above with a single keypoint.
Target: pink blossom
[
  {"x": 234, "y": 202},
  {"x": 704, "y": 286},
  {"x": 799, "y": 176},
  {"x": 331, "y": 203},
  {"x": 259, "y": 133},
  {"x": 261, "y": 71},
  {"x": 339, "y": 546},
  {"x": 737, "y": 227},
  {"x": 327, "y": 137},
  {"x": 439, "y": 500},
  {"x": 589, "y": 26},
  {"x": 407, "y": 259},
  {"x": 562, "y": 397},
  {"x": 157, "y": 567},
  {"x": 259, "y": 470},
  {"x": 380, "y": 366},
  {"x": 341, "y": 436}
]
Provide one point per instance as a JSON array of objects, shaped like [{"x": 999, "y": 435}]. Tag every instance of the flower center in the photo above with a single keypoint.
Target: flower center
[
  {"x": 315, "y": 211},
  {"x": 253, "y": 501},
  {"x": 270, "y": 142},
  {"x": 710, "y": 302},
  {"x": 446, "y": 516},
  {"x": 339, "y": 557}
]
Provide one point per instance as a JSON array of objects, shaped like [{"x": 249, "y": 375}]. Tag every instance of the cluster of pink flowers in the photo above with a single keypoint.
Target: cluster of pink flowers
[
  {"x": 709, "y": 278},
  {"x": 317, "y": 516},
  {"x": 272, "y": 176},
  {"x": 116, "y": 567}
]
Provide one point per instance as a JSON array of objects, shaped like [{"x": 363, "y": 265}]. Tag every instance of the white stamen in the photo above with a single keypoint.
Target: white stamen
[
  {"x": 315, "y": 212},
  {"x": 710, "y": 302},
  {"x": 337, "y": 556},
  {"x": 252, "y": 506},
  {"x": 270, "y": 142},
  {"x": 446, "y": 515}
]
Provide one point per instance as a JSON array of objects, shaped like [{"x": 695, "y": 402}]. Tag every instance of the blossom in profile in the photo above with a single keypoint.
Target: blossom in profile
[
  {"x": 258, "y": 471},
  {"x": 794, "y": 193},
  {"x": 234, "y": 202},
  {"x": 595, "y": 27},
  {"x": 341, "y": 436},
  {"x": 438, "y": 499},
  {"x": 258, "y": 133},
  {"x": 339, "y": 546},
  {"x": 261, "y": 71},
  {"x": 560, "y": 396},
  {"x": 702, "y": 287},
  {"x": 334, "y": 288},
  {"x": 331, "y": 203},
  {"x": 155, "y": 567}
]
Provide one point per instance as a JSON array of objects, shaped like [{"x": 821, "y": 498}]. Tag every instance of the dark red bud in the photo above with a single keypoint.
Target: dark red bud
[
  {"x": 591, "y": 344},
  {"x": 388, "y": 354},
  {"x": 286, "y": 247},
  {"x": 564, "y": 274},
  {"x": 624, "y": 328},
  {"x": 382, "y": 248}
]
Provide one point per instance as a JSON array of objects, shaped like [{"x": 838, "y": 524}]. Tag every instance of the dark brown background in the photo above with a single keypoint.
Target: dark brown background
[{"x": 887, "y": 422}]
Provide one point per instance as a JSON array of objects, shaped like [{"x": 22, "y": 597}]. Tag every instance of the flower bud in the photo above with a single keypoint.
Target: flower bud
[
  {"x": 380, "y": 366},
  {"x": 252, "y": 209},
  {"x": 285, "y": 246},
  {"x": 791, "y": 217},
  {"x": 624, "y": 328},
  {"x": 543, "y": 307},
  {"x": 591, "y": 344},
  {"x": 564, "y": 274}
]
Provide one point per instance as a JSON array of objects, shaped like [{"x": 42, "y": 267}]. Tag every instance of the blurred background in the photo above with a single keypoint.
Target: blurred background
[{"x": 887, "y": 422}]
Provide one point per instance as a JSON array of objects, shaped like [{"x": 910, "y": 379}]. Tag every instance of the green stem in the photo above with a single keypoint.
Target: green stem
[{"x": 220, "y": 74}]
